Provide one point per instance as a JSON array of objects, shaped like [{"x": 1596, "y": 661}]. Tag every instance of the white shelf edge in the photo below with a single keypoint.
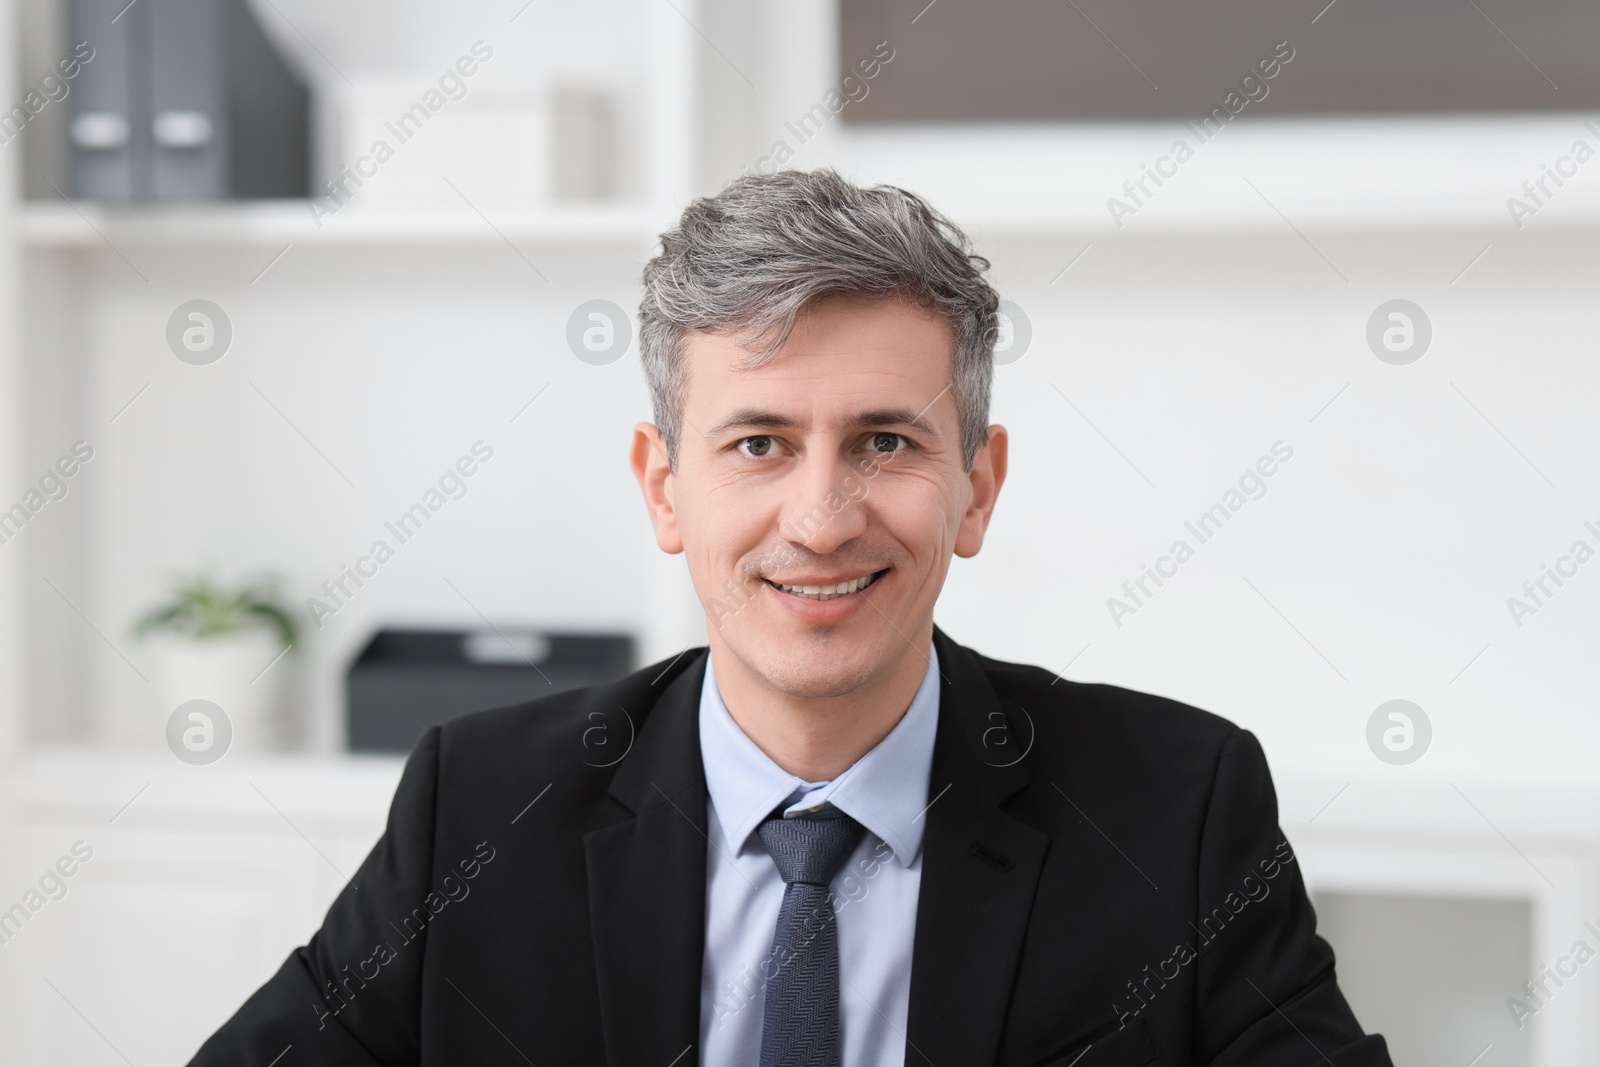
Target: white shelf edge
[
  {"x": 273, "y": 224},
  {"x": 63, "y": 225},
  {"x": 1397, "y": 174}
]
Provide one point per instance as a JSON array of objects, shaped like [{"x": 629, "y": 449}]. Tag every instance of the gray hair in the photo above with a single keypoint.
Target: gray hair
[{"x": 768, "y": 246}]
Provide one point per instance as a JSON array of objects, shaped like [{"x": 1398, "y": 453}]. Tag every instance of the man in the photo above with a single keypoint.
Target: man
[{"x": 836, "y": 837}]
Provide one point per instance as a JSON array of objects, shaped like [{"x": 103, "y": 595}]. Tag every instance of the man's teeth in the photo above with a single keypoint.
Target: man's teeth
[{"x": 828, "y": 592}]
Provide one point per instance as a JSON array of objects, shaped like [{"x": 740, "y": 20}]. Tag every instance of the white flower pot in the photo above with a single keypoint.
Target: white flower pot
[{"x": 228, "y": 671}]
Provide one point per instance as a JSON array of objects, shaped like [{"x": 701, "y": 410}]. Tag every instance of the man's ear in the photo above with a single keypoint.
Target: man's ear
[
  {"x": 988, "y": 473},
  {"x": 648, "y": 458}
]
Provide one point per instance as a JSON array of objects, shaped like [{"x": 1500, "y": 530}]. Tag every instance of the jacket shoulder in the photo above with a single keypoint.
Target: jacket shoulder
[
  {"x": 588, "y": 726},
  {"x": 1108, "y": 718}
]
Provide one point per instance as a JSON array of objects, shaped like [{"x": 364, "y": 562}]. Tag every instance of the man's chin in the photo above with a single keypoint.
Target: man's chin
[
  {"x": 816, "y": 665},
  {"x": 816, "y": 678}
]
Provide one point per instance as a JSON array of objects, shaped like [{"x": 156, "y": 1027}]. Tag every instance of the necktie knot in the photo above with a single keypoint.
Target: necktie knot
[{"x": 810, "y": 850}]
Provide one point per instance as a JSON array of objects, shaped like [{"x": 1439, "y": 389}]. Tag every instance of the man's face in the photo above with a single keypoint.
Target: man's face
[{"x": 836, "y": 463}]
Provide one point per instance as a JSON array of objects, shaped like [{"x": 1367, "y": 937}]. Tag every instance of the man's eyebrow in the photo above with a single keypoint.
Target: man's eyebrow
[
  {"x": 897, "y": 417},
  {"x": 760, "y": 418},
  {"x": 752, "y": 417}
]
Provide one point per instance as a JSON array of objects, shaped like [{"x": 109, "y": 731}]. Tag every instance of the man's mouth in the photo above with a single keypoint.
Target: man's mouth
[{"x": 829, "y": 590}]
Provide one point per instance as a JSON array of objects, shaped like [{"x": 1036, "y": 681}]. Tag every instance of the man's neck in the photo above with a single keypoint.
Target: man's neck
[{"x": 819, "y": 738}]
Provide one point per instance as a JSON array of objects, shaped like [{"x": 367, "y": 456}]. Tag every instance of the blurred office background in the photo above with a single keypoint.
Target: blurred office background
[{"x": 241, "y": 341}]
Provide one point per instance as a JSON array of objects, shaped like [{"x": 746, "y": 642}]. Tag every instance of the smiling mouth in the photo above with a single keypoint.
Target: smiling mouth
[{"x": 828, "y": 592}]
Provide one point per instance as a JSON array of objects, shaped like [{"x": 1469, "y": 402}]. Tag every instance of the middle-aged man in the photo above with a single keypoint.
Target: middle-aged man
[{"x": 836, "y": 836}]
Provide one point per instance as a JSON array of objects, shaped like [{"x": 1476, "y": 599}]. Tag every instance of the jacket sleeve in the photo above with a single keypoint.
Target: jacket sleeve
[
  {"x": 351, "y": 995},
  {"x": 1265, "y": 988}
]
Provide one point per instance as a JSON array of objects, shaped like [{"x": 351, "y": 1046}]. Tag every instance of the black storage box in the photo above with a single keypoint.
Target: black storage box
[{"x": 405, "y": 681}]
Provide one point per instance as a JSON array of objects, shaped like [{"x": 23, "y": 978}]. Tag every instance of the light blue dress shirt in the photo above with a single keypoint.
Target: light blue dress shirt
[{"x": 875, "y": 891}]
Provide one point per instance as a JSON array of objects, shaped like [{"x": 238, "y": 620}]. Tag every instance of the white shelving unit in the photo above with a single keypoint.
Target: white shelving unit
[
  {"x": 77, "y": 266},
  {"x": 13, "y": 406},
  {"x": 228, "y": 866}
]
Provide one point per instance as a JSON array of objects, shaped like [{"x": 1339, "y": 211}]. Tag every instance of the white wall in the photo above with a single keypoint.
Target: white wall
[{"x": 1390, "y": 542}]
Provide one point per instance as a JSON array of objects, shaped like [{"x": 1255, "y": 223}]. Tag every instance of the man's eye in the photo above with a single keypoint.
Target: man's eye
[
  {"x": 755, "y": 447},
  {"x": 887, "y": 442}
]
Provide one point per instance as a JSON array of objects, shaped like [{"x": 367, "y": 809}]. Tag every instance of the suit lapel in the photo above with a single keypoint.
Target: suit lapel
[
  {"x": 980, "y": 868},
  {"x": 647, "y": 886}
]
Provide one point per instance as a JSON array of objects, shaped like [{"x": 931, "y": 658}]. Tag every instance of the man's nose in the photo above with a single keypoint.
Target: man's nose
[{"x": 822, "y": 509}]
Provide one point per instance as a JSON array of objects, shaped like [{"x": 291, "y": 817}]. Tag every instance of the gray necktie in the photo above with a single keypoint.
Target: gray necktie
[{"x": 800, "y": 1024}]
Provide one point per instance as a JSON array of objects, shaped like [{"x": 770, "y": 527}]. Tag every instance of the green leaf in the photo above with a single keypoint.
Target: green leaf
[{"x": 201, "y": 606}]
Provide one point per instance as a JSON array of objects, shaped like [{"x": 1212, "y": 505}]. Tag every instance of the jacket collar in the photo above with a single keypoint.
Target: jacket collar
[{"x": 647, "y": 873}]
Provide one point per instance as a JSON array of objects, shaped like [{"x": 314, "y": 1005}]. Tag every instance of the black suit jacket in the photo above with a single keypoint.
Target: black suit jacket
[{"x": 1102, "y": 870}]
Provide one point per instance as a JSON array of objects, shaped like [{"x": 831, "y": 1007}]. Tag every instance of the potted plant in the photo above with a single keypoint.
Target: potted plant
[{"x": 216, "y": 642}]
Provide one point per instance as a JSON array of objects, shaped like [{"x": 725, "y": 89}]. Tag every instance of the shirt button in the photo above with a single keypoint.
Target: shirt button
[{"x": 815, "y": 807}]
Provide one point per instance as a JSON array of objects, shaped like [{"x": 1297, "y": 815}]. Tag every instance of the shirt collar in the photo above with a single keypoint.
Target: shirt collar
[{"x": 886, "y": 790}]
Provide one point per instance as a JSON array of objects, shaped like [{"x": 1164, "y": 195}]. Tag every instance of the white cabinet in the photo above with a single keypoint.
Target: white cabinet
[
  {"x": 1442, "y": 898},
  {"x": 188, "y": 901}
]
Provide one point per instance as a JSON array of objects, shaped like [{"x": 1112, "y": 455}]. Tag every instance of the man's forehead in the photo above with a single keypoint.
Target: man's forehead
[
  {"x": 849, "y": 396},
  {"x": 866, "y": 357}
]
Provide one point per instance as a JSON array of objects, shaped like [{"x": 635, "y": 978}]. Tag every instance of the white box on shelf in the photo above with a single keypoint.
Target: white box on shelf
[{"x": 401, "y": 145}]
